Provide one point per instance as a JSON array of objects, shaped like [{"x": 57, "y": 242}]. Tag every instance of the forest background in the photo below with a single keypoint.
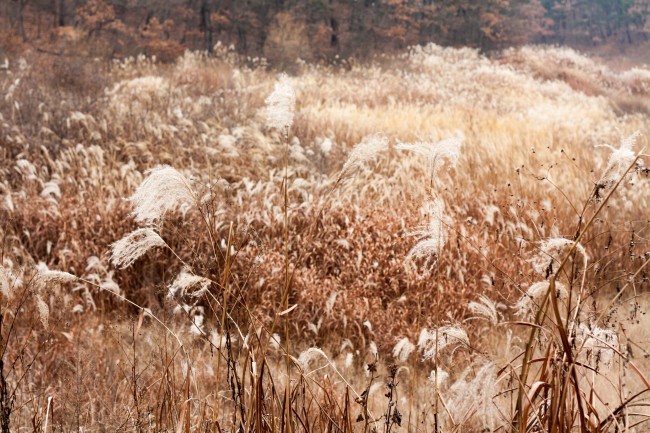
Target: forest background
[{"x": 312, "y": 30}]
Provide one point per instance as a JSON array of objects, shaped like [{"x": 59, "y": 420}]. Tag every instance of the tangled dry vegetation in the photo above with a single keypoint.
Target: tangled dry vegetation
[{"x": 431, "y": 242}]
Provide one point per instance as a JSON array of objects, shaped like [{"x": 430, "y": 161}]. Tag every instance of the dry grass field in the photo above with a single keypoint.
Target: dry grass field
[{"x": 430, "y": 242}]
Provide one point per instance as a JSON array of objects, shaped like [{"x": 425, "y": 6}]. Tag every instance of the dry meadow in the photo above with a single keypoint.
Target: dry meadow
[{"x": 429, "y": 242}]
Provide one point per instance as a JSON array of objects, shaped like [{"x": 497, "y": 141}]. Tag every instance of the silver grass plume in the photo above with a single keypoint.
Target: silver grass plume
[
  {"x": 45, "y": 277},
  {"x": 280, "y": 105},
  {"x": 163, "y": 190},
  {"x": 601, "y": 344},
  {"x": 476, "y": 394},
  {"x": 438, "y": 377},
  {"x": 43, "y": 311},
  {"x": 219, "y": 340},
  {"x": 403, "y": 349},
  {"x": 530, "y": 302},
  {"x": 275, "y": 341},
  {"x": 196, "y": 327},
  {"x": 485, "y": 309},
  {"x": 8, "y": 282},
  {"x": 310, "y": 355},
  {"x": 185, "y": 281},
  {"x": 436, "y": 153},
  {"x": 363, "y": 152},
  {"x": 619, "y": 160},
  {"x": 134, "y": 245},
  {"x": 550, "y": 253},
  {"x": 448, "y": 335},
  {"x": 434, "y": 234}
]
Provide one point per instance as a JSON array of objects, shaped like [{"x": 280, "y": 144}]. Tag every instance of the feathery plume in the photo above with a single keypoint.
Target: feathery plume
[
  {"x": 485, "y": 309},
  {"x": 619, "y": 160},
  {"x": 403, "y": 349},
  {"x": 448, "y": 335},
  {"x": 196, "y": 327},
  {"x": 8, "y": 282},
  {"x": 46, "y": 277},
  {"x": 280, "y": 105},
  {"x": 363, "y": 152},
  {"x": 531, "y": 300},
  {"x": 326, "y": 146},
  {"x": 310, "y": 355},
  {"x": 550, "y": 251},
  {"x": 438, "y": 377},
  {"x": 131, "y": 247},
  {"x": 329, "y": 304},
  {"x": 219, "y": 340},
  {"x": 436, "y": 153},
  {"x": 274, "y": 341},
  {"x": 435, "y": 233},
  {"x": 349, "y": 358},
  {"x": 164, "y": 189},
  {"x": 43, "y": 310},
  {"x": 186, "y": 281},
  {"x": 476, "y": 394},
  {"x": 372, "y": 348},
  {"x": 600, "y": 343}
]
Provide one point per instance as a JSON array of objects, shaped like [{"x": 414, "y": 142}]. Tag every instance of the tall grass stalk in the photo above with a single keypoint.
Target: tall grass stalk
[{"x": 568, "y": 351}]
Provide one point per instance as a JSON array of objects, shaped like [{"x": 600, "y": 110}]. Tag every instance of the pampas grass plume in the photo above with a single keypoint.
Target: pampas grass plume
[
  {"x": 133, "y": 246},
  {"x": 186, "y": 281},
  {"x": 280, "y": 105},
  {"x": 363, "y": 152},
  {"x": 619, "y": 160},
  {"x": 484, "y": 309},
  {"x": 403, "y": 349},
  {"x": 550, "y": 252},
  {"x": 447, "y": 335},
  {"x": 310, "y": 355},
  {"x": 531, "y": 300},
  {"x": 163, "y": 190},
  {"x": 436, "y": 153},
  {"x": 46, "y": 277}
]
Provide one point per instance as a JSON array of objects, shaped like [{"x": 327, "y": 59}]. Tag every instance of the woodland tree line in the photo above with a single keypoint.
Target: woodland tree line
[{"x": 314, "y": 29}]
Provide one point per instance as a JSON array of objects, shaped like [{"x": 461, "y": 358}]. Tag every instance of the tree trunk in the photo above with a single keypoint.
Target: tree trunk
[
  {"x": 206, "y": 25},
  {"x": 21, "y": 20}
]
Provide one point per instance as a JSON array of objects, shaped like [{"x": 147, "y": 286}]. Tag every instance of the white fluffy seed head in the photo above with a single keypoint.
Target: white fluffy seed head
[
  {"x": 485, "y": 309},
  {"x": 164, "y": 189},
  {"x": 601, "y": 344},
  {"x": 280, "y": 105},
  {"x": 185, "y": 282},
  {"x": 43, "y": 310},
  {"x": 372, "y": 348},
  {"x": 551, "y": 253},
  {"x": 619, "y": 160},
  {"x": 403, "y": 349},
  {"x": 447, "y": 336},
  {"x": 219, "y": 340},
  {"x": 196, "y": 327},
  {"x": 438, "y": 377},
  {"x": 326, "y": 146},
  {"x": 45, "y": 277},
  {"x": 437, "y": 153},
  {"x": 362, "y": 153},
  {"x": 274, "y": 341},
  {"x": 8, "y": 282},
  {"x": 310, "y": 355},
  {"x": 134, "y": 245},
  {"x": 434, "y": 235},
  {"x": 530, "y": 302}
]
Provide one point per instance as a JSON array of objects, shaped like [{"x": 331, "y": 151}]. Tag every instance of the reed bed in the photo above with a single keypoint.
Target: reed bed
[{"x": 431, "y": 242}]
